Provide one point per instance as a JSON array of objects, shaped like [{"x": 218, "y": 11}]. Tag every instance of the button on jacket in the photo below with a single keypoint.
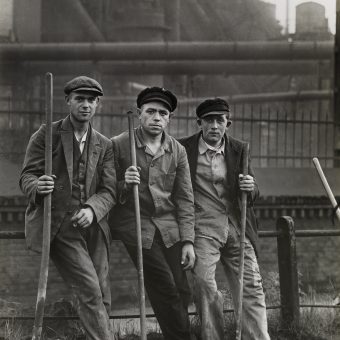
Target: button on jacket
[{"x": 165, "y": 192}]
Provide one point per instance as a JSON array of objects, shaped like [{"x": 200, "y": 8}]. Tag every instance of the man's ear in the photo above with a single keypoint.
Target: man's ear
[
  {"x": 67, "y": 99},
  {"x": 228, "y": 123},
  {"x": 199, "y": 122}
]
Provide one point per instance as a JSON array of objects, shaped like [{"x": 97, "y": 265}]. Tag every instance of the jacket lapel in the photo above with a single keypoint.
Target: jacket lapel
[
  {"x": 232, "y": 157},
  {"x": 66, "y": 134},
  {"x": 192, "y": 152},
  {"x": 94, "y": 150}
]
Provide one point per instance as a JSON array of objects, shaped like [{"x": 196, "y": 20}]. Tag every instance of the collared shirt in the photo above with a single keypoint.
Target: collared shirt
[
  {"x": 211, "y": 176},
  {"x": 165, "y": 192},
  {"x": 81, "y": 141},
  {"x": 211, "y": 195}
]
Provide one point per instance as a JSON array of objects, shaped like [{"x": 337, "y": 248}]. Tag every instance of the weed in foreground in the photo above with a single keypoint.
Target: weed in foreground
[{"x": 315, "y": 323}]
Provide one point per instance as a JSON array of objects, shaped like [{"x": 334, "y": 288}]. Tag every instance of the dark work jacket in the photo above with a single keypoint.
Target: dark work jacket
[
  {"x": 233, "y": 154},
  {"x": 100, "y": 182}
]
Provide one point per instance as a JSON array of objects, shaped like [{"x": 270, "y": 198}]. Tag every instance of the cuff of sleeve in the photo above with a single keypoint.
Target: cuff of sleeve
[
  {"x": 188, "y": 238},
  {"x": 187, "y": 241}
]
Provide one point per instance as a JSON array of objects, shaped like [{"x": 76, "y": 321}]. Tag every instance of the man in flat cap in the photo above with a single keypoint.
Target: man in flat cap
[
  {"x": 167, "y": 210},
  {"x": 83, "y": 187},
  {"x": 215, "y": 160}
]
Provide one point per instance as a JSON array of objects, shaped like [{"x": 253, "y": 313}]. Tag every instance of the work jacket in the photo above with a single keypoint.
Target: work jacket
[
  {"x": 165, "y": 193},
  {"x": 100, "y": 182},
  {"x": 233, "y": 153}
]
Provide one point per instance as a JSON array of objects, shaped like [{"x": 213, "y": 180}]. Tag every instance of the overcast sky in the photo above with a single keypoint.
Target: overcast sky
[{"x": 281, "y": 5}]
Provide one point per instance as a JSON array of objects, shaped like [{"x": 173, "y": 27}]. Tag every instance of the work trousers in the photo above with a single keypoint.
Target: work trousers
[
  {"x": 81, "y": 257},
  {"x": 167, "y": 287},
  {"x": 209, "y": 301}
]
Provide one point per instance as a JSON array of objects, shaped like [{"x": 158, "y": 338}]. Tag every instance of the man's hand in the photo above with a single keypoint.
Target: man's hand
[
  {"x": 45, "y": 184},
  {"x": 188, "y": 256},
  {"x": 132, "y": 176},
  {"x": 246, "y": 183},
  {"x": 83, "y": 218}
]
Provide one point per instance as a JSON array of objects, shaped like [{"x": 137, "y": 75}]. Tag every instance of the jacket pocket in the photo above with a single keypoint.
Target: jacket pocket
[{"x": 169, "y": 181}]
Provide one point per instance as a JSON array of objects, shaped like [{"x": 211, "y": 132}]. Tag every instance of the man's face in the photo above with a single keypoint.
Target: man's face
[
  {"x": 213, "y": 127},
  {"x": 154, "y": 118},
  {"x": 82, "y": 105}
]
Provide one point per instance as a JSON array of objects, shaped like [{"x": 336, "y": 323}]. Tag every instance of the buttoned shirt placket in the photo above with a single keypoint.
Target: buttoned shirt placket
[
  {"x": 81, "y": 142},
  {"x": 153, "y": 173}
]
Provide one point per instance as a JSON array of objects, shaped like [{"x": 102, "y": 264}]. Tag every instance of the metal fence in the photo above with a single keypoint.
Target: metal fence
[{"x": 278, "y": 138}]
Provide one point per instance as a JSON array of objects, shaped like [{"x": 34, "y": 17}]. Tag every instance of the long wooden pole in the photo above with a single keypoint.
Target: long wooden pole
[
  {"x": 43, "y": 276},
  {"x": 326, "y": 186},
  {"x": 138, "y": 231},
  {"x": 242, "y": 243}
]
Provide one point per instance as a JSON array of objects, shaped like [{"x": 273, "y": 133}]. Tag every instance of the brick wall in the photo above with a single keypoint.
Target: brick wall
[{"x": 19, "y": 268}]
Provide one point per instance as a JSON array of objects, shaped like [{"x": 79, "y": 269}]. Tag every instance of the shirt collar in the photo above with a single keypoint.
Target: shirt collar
[
  {"x": 203, "y": 147},
  {"x": 165, "y": 142},
  {"x": 83, "y": 139}
]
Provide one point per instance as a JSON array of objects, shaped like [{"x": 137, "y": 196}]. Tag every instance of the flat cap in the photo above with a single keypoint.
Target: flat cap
[
  {"x": 212, "y": 106},
  {"x": 157, "y": 94},
  {"x": 83, "y": 83}
]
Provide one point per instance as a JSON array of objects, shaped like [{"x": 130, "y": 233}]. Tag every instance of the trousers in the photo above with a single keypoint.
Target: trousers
[
  {"x": 167, "y": 287},
  {"x": 81, "y": 257},
  {"x": 209, "y": 300}
]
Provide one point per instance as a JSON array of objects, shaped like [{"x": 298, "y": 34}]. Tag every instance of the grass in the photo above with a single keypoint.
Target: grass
[{"x": 315, "y": 323}]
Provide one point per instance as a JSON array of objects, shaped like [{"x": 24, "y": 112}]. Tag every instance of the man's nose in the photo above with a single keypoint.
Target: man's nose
[
  {"x": 156, "y": 116},
  {"x": 85, "y": 103},
  {"x": 214, "y": 124}
]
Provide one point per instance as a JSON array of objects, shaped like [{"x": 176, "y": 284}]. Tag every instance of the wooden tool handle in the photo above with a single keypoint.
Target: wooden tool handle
[
  {"x": 138, "y": 231},
  {"x": 326, "y": 186},
  {"x": 43, "y": 275},
  {"x": 242, "y": 242}
]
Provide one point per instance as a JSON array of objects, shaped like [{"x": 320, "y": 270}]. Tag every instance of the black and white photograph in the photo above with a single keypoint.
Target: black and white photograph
[{"x": 169, "y": 169}]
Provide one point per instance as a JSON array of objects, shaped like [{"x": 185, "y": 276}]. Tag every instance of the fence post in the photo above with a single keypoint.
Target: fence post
[{"x": 289, "y": 284}]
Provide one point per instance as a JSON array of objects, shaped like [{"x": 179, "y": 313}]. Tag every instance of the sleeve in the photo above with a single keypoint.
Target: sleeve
[
  {"x": 106, "y": 192},
  {"x": 183, "y": 198},
  {"x": 34, "y": 166}
]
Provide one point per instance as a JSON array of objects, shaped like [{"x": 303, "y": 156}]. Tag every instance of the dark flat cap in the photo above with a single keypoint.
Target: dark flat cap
[
  {"x": 157, "y": 94},
  {"x": 212, "y": 106},
  {"x": 83, "y": 83}
]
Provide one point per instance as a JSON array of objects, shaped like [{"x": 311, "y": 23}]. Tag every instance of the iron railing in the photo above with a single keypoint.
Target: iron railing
[{"x": 278, "y": 138}]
